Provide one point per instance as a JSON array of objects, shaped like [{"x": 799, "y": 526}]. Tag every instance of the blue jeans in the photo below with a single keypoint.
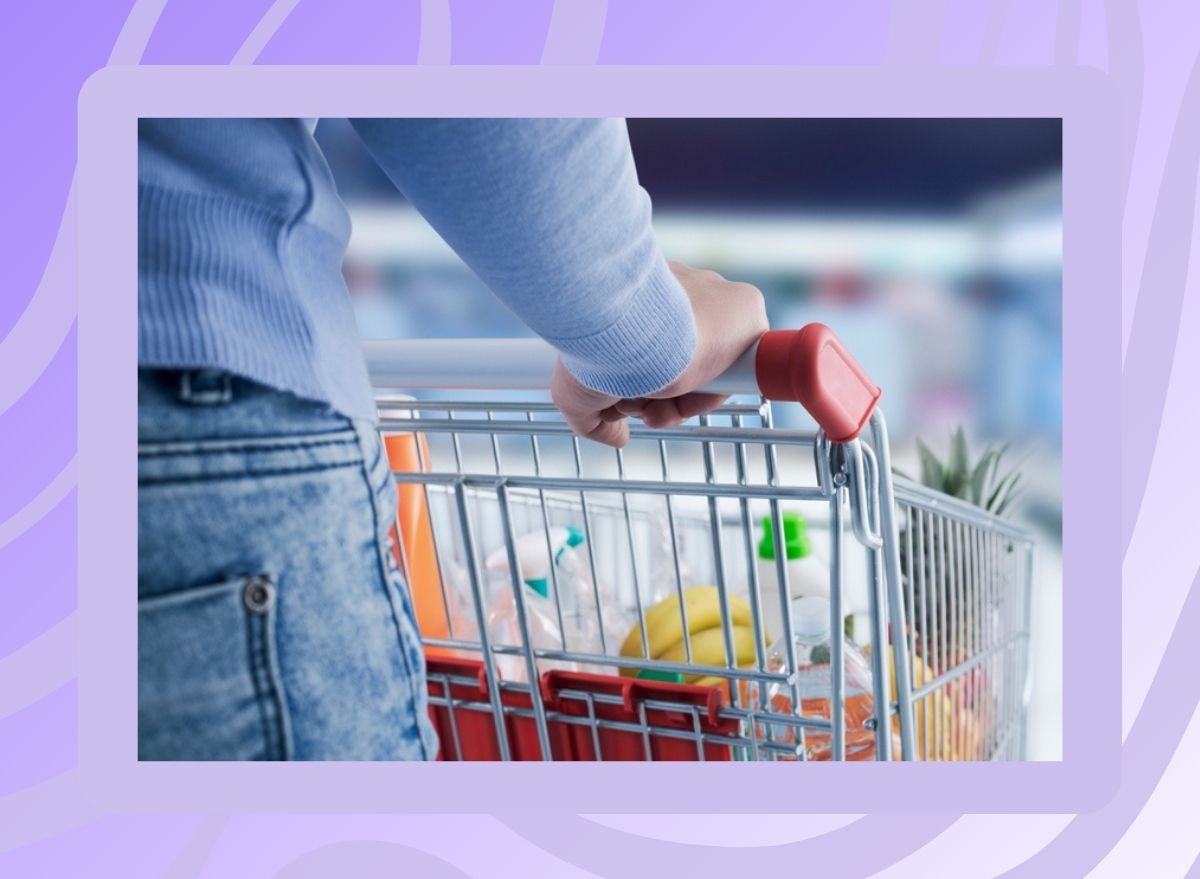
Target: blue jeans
[{"x": 273, "y": 623}]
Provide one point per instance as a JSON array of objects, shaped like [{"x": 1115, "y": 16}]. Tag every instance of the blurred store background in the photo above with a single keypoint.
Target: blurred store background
[{"x": 932, "y": 246}]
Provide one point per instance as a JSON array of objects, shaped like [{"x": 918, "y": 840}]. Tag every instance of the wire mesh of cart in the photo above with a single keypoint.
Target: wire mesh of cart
[{"x": 652, "y": 644}]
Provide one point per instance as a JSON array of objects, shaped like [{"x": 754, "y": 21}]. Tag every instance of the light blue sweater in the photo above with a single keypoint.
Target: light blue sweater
[{"x": 241, "y": 235}]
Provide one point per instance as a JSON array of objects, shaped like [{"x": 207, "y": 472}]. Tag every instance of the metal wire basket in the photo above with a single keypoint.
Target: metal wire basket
[{"x": 941, "y": 589}]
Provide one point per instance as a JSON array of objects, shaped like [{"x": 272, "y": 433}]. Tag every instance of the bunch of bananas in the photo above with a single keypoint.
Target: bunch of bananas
[{"x": 665, "y": 635}]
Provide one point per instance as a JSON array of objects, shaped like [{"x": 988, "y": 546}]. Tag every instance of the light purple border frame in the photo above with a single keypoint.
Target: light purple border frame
[{"x": 115, "y": 97}]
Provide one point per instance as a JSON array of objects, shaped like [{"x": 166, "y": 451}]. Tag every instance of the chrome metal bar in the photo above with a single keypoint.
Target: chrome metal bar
[
  {"x": 518, "y": 586},
  {"x": 954, "y": 605},
  {"x": 558, "y": 428},
  {"x": 976, "y": 633},
  {"x": 698, "y": 730},
  {"x": 406, "y": 403},
  {"x": 593, "y": 726},
  {"x": 548, "y": 654},
  {"x": 674, "y": 538},
  {"x": 590, "y": 541},
  {"x": 492, "y": 433},
  {"x": 756, "y": 621},
  {"x": 927, "y": 732},
  {"x": 644, "y": 722},
  {"x": 500, "y": 364},
  {"x": 719, "y": 563},
  {"x": 911, "y": 606},
  {"x": 876, "y": 603},
  {"x": 637, "y": 585},
  {"x": 552, "y": 558},
  {"x": 457, "y": 446},
  {"x": 636, "y": 486},
  {"x": 489, "y": 662},
  {"x": 943, "y": 505},
  {"x": 859, "y": 494},
  {"x": 868, "y": 518},
  {"x": 837, "y": 653},
  {"x": 454, "y": 737},
  {"x": 422, "y": 466},
  {"x": 994, "y": 637},
  {"x": 935, "y": 628},
  {"x": 891, "y": 553},
  {"x": 783, "y": 584}
]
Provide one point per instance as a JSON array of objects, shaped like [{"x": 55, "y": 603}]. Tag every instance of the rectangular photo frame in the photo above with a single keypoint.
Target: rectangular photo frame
[{"x": 115, "y": 98}]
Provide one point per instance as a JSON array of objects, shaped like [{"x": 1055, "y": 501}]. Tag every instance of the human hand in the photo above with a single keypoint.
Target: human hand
[{"x": 729, "y": 317}]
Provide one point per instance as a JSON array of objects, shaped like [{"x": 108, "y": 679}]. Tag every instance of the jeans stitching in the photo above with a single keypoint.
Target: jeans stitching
[
  {"x": 187, "y": 594},
  {"x": 397, "y": 612},
  {"x": 253, "y": 623},
  {"x": 171, "y": 480},
  {"x": 283, "y": 716},
  {"x": 234, "y": 446}
]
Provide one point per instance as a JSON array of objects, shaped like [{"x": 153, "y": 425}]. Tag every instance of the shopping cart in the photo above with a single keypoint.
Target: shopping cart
[{"x": 942, "y": 586}]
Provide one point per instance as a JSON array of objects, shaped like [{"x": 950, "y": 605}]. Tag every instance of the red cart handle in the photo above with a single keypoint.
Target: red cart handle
[{"x": 810, "y": 366}]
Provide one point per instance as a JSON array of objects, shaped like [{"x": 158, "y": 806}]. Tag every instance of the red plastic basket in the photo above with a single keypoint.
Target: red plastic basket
[{"x": 467, "y": 727}]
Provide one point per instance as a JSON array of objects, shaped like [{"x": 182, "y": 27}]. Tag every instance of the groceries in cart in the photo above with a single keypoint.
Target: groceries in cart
[
  {"x": 413, "y": 541},
  {"x": 692, "y": 632},
  {"x": 560, "y": 602},
  {"x": 814, "y": 686},
  {"x": 946, "y": 728},
  {"x": 806, "y": 573},
  {"x": 676, "y": 599}
]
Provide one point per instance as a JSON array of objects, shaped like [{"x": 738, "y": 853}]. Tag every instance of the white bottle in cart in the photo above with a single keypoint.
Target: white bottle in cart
[
  {"x": 575, "y": 601},
  {"x": 814, "y": 683},
  {"x": 807, "y": 575},
  {"x": 532, "y": 558}
]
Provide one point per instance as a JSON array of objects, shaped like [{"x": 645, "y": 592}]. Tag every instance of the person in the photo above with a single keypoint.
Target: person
[{"x": 272, "y": 620}]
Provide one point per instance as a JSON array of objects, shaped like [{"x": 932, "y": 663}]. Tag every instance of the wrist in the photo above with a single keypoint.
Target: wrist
[{"x": 646, "y": 349}]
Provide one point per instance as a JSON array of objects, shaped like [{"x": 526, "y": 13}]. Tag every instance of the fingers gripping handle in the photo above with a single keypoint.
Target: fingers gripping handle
[{"x": 810, "y": 366}]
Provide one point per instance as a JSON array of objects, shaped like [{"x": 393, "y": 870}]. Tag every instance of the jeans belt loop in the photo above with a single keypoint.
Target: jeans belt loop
[{"x": 205, "y": 387}]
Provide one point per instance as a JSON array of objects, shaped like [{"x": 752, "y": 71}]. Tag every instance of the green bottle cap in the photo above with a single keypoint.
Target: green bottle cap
[{"x": 795, "y": 538}]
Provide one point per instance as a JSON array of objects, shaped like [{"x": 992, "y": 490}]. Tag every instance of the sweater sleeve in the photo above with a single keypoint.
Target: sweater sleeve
[{"x": 549, "y": 214}]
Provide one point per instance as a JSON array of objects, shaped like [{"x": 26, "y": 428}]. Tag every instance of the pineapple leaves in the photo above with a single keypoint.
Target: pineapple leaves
[
  {"x": 981, "y": 483},
  {"x": 983, "y": 478},
  {"x": 931, "y": 467},
  {"x": 980, "y": 476},
  {"x": 1003, "y": 494},
  {"x": 957, "y": 471}
]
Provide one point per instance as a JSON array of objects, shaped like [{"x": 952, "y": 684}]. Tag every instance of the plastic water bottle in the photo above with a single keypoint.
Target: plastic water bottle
[
  {"x": 579, "y": 632},
  {"x": 814, "y": 680}
]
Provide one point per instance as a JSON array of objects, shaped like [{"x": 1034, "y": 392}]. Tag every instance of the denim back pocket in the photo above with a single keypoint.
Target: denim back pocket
[{"x": 208, "y": 677}]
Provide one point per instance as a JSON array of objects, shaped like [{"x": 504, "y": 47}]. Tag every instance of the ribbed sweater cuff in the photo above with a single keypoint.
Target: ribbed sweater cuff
[{"x": 645, "y": 349}]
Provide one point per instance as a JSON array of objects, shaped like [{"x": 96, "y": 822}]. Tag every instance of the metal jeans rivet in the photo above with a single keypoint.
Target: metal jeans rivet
[{"x": 259, "y": 595}]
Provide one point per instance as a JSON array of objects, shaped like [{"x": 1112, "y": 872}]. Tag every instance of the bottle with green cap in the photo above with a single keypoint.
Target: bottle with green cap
[{"x": 807, "y": 575}]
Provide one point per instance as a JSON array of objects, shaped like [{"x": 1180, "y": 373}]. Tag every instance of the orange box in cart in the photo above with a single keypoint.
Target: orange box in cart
[{"x": 414, "y": 547}]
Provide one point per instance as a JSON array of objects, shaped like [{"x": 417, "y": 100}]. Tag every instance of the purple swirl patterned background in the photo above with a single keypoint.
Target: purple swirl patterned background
[{"x": 1148, "y": 51}]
